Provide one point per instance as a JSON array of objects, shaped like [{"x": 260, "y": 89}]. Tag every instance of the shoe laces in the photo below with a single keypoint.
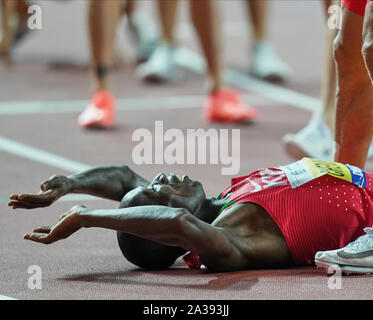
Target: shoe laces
[{"x": 363, "y": 241}]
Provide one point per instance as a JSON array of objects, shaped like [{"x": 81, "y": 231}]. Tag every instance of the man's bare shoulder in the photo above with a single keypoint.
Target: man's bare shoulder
[
  {"x": 256, "y": 240},
  {"x": 247, "y": 217}
]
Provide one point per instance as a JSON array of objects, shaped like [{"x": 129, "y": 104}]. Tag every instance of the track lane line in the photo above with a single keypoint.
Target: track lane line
[
  {"x": 50, "y": 159},
  {"x": 193, "y": 61},
  {"x": 6, "y": 298},
  {"x": 40, "y": 156},
  {"x": 123, "y": 104},
  {"x": 186, "y": 59}
]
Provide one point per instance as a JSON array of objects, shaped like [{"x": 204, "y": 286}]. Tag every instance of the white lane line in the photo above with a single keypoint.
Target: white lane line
[
  {"x": 150, "y": 103},
  {"x": 275, "y": 93},
  {"x": 47, "y": 158},
  {"x": 7, "y": 298},
  {"x": 36, "y": 107},
  {"x": 189, "y": 60},
  {"x": 38, "y": 155}
]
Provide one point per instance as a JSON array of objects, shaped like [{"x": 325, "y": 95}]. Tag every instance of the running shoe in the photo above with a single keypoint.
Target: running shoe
[
  {"x": 266, "y": 65},
  {"x": 161, "y": 66},
  {"x": 315, "y": 140},
  {"x": 355, "y": 258},
  {"x": 100, "y": 112},
  {"x": 225, "y": 106}
]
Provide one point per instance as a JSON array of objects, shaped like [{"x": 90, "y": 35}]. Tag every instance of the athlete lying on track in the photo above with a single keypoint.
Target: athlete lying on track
[{"x": 274, "y": 217}]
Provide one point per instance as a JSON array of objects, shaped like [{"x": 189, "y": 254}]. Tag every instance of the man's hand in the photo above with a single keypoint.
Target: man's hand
[
  {"x": 68, "y": 224},
  {"x": 51, "y": 190}
]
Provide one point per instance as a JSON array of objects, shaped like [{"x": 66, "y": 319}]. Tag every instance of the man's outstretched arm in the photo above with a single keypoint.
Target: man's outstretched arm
[
  {"x": 166, "y": 225},
  {"x": 109, "y": 182}
]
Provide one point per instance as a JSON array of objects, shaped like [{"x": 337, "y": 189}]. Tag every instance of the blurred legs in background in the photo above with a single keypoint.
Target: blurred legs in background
[
  {"x": 141, "y": 28},
  {"x": 161, "y": 66},
  {"x": 103, "y": 19},
  {"x": 14, "y": 17},
  {"x": 222, "y": 104},
  {"x": 316, "y": 139},
  {"x": 265, "y": 63}
]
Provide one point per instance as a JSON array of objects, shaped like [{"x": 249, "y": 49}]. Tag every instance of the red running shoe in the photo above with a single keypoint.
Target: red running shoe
[
  {"x": 225, "y": 106},
  {"x": 100, "y": 112}
]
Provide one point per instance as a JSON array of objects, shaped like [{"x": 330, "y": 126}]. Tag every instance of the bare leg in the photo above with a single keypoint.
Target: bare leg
[
  {"x": 129, "y": 8},
  {"x": 368, "y": 39},
  {"x": 9, "y": 22},
  {"x": 167, "y": 14},
  {"x": 258, "y": 16},
  {"x": 141, "y": 29},
  {"x": 161, "y": 65},
  {"x": 354, "y": 112},
  {"x": 222, "y": 104},
  {"x": 103, "y": 18},
  {"x": 327, "y": 112},
  {"x": 316, "y": 140},
  {"x": 265, "y": 63},
  {"x": 205, "y": 19}
]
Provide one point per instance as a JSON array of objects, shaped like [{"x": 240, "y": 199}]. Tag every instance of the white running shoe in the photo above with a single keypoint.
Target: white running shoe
[
  {"x": 355, "y": 258},
  {"x": 161, "y": 66},
  {"x": 315, "y": 140},
  {"x": 265, "y": 64}
]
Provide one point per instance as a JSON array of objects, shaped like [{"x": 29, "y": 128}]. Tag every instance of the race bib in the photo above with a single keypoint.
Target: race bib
[{"x": 307, "y": 169}]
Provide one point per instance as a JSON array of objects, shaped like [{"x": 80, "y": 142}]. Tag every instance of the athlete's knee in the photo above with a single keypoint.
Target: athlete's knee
[
  {"x": 350, "y": 66},
  {"x": 339, "y": 51}
]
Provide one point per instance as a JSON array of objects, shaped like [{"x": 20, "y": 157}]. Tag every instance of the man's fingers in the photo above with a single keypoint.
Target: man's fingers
[
  {"x": 43, "y": 229},
  {"x": 37, "y": 237},
  {"x": 42, "y": 199},
  {"x": 32, "y": 201},
  {"x": 35, "y": 198},
  {"x": 27, "y": 204},
  {"x": 13, "y": 196},
  {"x": 23, "y": 205}
]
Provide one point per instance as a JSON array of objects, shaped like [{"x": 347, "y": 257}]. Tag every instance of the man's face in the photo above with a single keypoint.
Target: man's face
[{"x": 169, "y": 191}]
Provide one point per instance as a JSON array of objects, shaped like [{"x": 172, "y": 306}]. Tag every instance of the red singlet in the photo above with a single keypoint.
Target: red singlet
[
  {"x": 322, "y": 214},
  {"x": 357, "y": 6}
]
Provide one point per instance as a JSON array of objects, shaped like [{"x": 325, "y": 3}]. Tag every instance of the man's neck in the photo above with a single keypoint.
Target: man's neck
[{"x": 210, "y": 209}]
